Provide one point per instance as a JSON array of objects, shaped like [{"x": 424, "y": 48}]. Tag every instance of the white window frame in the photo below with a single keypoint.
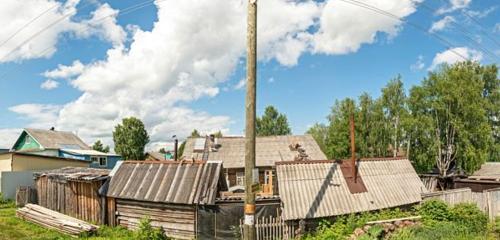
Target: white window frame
[
  {"x": 94, "y": 159},
  {"x": 27, "y": 139},
  {"x": 105, "y": 161},
  {"x": 240, "y": 178}
]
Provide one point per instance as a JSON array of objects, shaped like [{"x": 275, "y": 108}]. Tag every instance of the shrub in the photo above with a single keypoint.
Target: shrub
[
  {"x": 147, "y": 232},
  {"x": 434, "y": 210},
  {"x": 469, "y": 216}
]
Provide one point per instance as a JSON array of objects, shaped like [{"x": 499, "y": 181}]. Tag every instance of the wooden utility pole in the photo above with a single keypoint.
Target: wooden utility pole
[
  {"x": 250, "y": 108},
  {"x": 353, "y": 147}
]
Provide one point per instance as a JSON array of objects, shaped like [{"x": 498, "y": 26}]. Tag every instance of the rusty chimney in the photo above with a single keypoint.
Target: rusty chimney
[{"x": 353, "y": 148}]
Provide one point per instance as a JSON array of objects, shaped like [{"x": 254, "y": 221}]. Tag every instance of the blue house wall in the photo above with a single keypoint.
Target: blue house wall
[{"x": 110, "y": 162}]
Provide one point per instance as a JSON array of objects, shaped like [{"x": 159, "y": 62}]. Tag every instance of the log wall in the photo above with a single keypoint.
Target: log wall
[
  {"x": 76, "y": 199},
  {"x": 178, "y": 221}
]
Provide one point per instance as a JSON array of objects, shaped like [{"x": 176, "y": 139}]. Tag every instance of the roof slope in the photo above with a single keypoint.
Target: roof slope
[
  {"x": 167, "y": 182},
  {"x": 268, "y": 150},
  {"x": 56, "y": 139},
  {"x": 489, "y": 170},
  {"x": 314, "y": 189},
  {"x": 75, "y": 173}
]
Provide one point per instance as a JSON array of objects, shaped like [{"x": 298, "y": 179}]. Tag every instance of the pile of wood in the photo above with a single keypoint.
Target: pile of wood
[
  {"x": 388, "y": 227},
  {"x": 54, "y": 220}
]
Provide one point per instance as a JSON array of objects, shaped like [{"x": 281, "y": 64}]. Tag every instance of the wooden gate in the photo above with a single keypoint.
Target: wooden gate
[{"x": 272, "y": 228}]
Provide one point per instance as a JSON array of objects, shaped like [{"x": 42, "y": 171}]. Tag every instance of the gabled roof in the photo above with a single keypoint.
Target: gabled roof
[
  {"x": 155, "y": 156},
  {"x": 269, "y": 150},
  {"x": 87, "y": 152},
  {"x": 50, "y": 139},
  {"x": 488, "y": 171},
  {"x": 168, "y": 182},
  {"x": 315, "y": 189}
]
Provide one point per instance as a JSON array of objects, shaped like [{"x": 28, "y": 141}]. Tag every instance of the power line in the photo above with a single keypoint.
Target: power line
[
  {"x": 482, "y": 28},
  {"x": 124, "y": 11},
  {"x": 391, "y": 15},
  {"x": 27, "y": 24},
  {"x": 467, "y": 34}
]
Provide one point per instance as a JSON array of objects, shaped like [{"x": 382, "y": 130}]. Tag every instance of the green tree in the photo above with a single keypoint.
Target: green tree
[
  {"x": 98, "y": 146},
  {"x": 218, "y": 134},
  {"x": 319, "y": 132},
  {"x": 394, "y": 103},
  {"x": 450, "y": 122},
  {"x": 272, "y": 123},
  {"x": 130, "y": 138},
  {"x": 162, "y": 151},
  {"x": 337, "y": 142}
]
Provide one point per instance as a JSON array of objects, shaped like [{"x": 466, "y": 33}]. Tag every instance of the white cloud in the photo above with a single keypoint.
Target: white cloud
[
  {"x": 65, "y": 72},
  {"x": 40, "y": 115},
  {"x": 441, "y": 24},
  {"x": 453, "y": 6},
  {"x": 49, "y": 84},
  {"x": 345, "y": 27},
  {"x": 454, "y": 55},
  {"x": 194, "y": 47},
  {"x": 483, "y": 13},
  {"x": 8, "y": 136},
  {"x": 241, "y": 84},
  {"x": 419, "y": 65},
  {"x": 15, "y": 14}
]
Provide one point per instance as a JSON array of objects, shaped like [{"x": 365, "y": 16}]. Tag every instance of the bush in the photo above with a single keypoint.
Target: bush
[
  {"x": 434, "y": 210},
  {"x": 147, "y": 232},
  {"x": 469, "y": 216},
  {"x": 439, "y": 230}
]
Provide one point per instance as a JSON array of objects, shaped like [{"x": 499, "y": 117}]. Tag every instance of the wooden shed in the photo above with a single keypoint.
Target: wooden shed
[
  {"x": 73, "y": 191},
  {"x": 169, "y": 193}
]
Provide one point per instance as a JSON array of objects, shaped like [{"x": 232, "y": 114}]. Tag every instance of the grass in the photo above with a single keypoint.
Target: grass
[{"x": 12, "y": 228}]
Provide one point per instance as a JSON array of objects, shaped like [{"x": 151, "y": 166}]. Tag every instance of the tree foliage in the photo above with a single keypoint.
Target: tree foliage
[
  {"x": 130, "y": 138},
  {"x": 98, "y": 146},
  {"x": 452, "y": 119},
  {"x": 272, "y": 123}
]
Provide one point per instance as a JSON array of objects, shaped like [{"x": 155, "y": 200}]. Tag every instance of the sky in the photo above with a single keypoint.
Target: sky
[{"x": 83, "y": 65}]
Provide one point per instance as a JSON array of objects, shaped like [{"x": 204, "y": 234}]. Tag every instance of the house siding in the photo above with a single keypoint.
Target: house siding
[
  {"x": 5, "y": 162},
  {"x": 25, "y": 162},
  {"x": 21, "y": 144}
]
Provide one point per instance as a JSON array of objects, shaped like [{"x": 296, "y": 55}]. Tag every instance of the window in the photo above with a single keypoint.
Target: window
[
  {"x": 28, "y": 139},
  {"x": 94, "y": 159},
  {"x": 240, "y": 179},
  {"x": 103, "y": 161}
]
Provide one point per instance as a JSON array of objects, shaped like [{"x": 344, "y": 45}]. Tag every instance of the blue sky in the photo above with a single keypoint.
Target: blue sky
[{"x": 304, "y": 87}]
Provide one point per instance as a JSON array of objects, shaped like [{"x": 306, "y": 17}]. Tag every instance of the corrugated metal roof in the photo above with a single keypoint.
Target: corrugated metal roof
[
  {"x": 489, "y": 171},
  {"x": 75, "y": 173},
  {"x": 168, "y": 182},
  {"x": 56, "y": 139},
  {"x": 268, "y": 150},
  {"x": 314, "y": 189}
]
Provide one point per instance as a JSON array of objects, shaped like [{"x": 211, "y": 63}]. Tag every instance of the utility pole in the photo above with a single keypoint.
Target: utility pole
[{"x": 250, "y": 108}]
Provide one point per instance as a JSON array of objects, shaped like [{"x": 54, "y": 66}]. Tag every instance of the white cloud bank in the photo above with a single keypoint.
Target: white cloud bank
[
  {"x": 455, "y": 55},
  {"x": 453, "y": 6},
  {"x": 196, "y": 45},
  {"x": 15, "y": 18}
]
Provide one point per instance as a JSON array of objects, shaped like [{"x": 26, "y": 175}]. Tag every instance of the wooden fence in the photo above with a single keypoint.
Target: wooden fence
[
  {"x": 488, "y": 200},
  {"x": 272, "y": 228}
]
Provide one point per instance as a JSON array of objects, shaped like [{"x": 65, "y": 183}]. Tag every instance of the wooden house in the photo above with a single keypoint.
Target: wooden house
[
  {"x": 269, "y": 150},
  {"x": 64, "y": 145},
  {"x": 487, "y": 177},
  {"x": 73, "y": 191},
  {"x": 169, "y": 193}
]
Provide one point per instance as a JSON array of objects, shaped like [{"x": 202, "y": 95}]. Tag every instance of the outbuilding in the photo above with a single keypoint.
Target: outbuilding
[{"x": 169, "y": 193}]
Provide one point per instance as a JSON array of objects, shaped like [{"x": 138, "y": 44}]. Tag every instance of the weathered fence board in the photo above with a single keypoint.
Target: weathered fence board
[{"x": 270, "y": 228}]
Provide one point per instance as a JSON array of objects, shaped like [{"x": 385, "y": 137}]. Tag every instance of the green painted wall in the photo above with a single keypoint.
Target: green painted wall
[{"x": 26, "y": 142}]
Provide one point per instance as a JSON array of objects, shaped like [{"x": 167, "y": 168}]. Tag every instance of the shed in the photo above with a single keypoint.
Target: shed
[
  {"x": 487, "y": 177},
  {"x": 73, "y": 191},
  {"x": 318, "y": 189},
  {"x": 168, "y": 192}
]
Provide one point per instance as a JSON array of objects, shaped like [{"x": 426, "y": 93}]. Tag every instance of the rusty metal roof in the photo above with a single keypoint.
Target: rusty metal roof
[
  {"x": 168, "y": 182},
  {"x": 314, "y": 189},
  {"x": 269, "y": 150},
  {"x": 75, "y": 174}
]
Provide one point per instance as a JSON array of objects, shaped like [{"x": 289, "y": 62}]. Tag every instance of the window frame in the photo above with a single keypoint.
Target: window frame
[
  {"x": 240, "y": 176},
  {"x": 105, "y": 161}
]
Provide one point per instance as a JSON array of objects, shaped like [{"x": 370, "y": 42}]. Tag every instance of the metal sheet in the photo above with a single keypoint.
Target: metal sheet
[
  {"x": 319, "y": 189},
  {"x": 167, "y": 182}
]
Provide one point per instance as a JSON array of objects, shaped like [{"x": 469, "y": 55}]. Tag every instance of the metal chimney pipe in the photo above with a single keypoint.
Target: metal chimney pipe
[
  {"x": 176, "y": 142},
  {"x": 353, "y": 148}
]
